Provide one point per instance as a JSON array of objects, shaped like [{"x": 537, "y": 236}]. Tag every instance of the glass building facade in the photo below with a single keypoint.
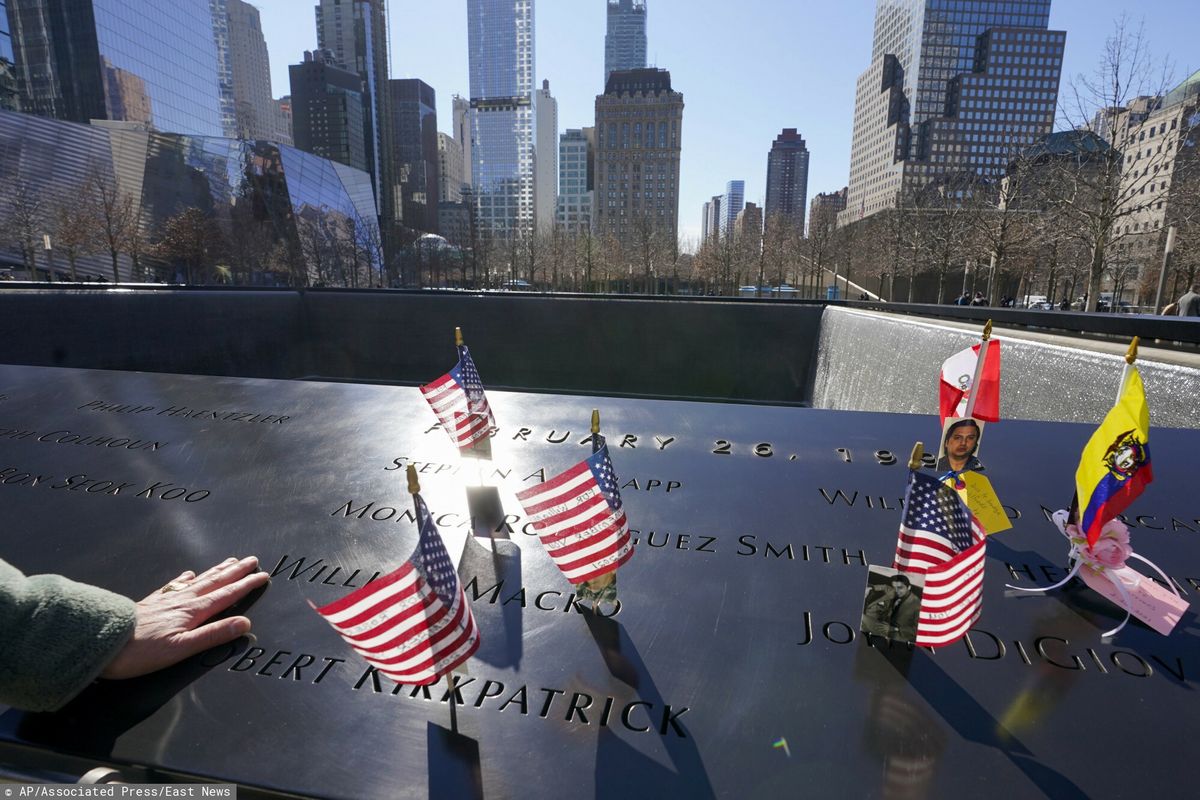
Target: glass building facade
[
  {"x": 500, "y": 58},
  {"x": 9, "y": 96},
  {"x": 415, "y": 151},
  {"x": 625, "y": 37},
  {"x": 955, "y": 87},
  {"x": 138, "y": 61},
  {"x": 275, "y": 214}
]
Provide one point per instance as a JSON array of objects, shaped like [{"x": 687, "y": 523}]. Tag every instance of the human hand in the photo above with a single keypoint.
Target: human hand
[{"x": 172, "y": 623}]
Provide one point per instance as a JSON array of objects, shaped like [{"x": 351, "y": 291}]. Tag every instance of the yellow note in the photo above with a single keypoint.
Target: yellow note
[{"x": 983, "y": 502}]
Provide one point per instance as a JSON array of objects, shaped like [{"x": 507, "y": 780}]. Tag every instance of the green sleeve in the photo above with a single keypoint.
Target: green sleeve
[{"x": 56, "y": 636}]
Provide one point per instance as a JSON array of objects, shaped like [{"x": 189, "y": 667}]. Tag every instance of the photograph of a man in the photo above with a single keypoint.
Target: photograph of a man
[
  {"x": 960, "y": 444},
  {"x": 892, "y": 604}
]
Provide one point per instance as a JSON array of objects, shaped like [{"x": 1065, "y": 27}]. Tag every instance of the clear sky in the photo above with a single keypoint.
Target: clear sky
[{"x": 746, "y": 68}]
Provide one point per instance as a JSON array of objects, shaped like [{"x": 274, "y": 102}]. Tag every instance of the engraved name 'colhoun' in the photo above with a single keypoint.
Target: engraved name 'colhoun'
[{"x": 63, "y": 436}]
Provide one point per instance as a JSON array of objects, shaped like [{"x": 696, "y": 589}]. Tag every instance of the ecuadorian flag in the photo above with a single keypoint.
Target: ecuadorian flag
[{"x": 1115, "y": 465}]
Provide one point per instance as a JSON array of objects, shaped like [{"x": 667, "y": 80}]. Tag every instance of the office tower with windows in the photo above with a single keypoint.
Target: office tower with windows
[
  {"x": 83, "y": 60},
  {"x": 710, "y": 226},
  {"x": 639, "y": 130},
  {"x": 327, "y": 110},
  {"x": 461, "y": 112},
  {"x": 500, "y": 60},
  {"x": 545, "y": 165},
  {"x": 576, "y": 179},
  {"x": 787, "y": 178},
  {"x": 355, "y": 33},
  {"x": 825, "y": 207},
  {"x": 748, "y": 227},
  {"x": 625, "y": 39},
  {"x": 415, "y": 151},
  {"x": 955, "y": 88},
  {"x": 731, "y": 204},
  {"x": 450, "y": 169},
  {"x": 256, "y": 113}
]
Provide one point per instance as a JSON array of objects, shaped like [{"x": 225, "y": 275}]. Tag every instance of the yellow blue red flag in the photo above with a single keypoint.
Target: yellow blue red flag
[{"x": 1115, "y": 465}]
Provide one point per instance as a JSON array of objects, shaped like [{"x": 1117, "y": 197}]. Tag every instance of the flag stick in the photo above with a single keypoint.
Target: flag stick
[
  {"x": 983, "y": 348},
  {"x": 914, "y": 461},
  {"x": 596, "y": 585},
  {"x": 595, "y": 428},
  {"x": 458, "y": 337},
  {"x": 1130, "y": 357}
]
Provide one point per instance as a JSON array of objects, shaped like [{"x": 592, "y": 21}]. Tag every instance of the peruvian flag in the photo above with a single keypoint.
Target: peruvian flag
[{"x": 954, "y": 388}]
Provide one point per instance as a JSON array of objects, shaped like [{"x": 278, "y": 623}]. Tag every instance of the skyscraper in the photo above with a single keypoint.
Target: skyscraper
[
  {"x": 731, "y": 203},
  {"x": 80, "y": 60},
  {"x": 787, "y": 178},
  {"x": 954, "y": 89},
  {"x": 327, "y": 110},
  {"x": 710, "y": 226},
  {"x": 461, "y": 110},
  {"x": 256, "y": 113},
  {"x": 576, "y": 194},
  {"x": 415, "y": 151},
  {"x": 355, "y": 32},
  {"x": 545, "y": 166},
  {"x": 639, "y": 129},
  {"x": 625, "y": 39},
  {"x": 500, "y": 60},
  {"x": 450, "y": 169}
]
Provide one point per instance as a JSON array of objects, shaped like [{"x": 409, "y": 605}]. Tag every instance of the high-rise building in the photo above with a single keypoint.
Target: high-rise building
[
  {"x": 355, "y": 32},
  {"x": 787, "y": 177},
  {"x": 731, "y": 204},
  {"x": 625, "y": 39},
  {"x": 461, "y": 111},
  {"x": 283, "y": 119},
  {"x": 83, "y": 60},
  {"x": 545, "y": 166},
  {"x": 825, "y": 207},
  {"x": 220, "y": 29},
  {"x": 639, "y": 129},
  {"x": 500, "y": 55},
  {"x": 327, "y": 110},
  {"x": 414, "y": 156},
  {"x": 256, "y": 113},
  {"x": 748, "y": 227},
  {"x": 450, "y": 169},
  {"x": 576, "y": 179},
  {"x": 710, "y": 226},
  {"x": 953, "y": 90}
]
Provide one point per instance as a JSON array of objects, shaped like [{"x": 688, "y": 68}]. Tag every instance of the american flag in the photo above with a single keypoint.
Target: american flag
[
  {"x": 579, "y": 517},
  {"x": 942, "y": 540},
  {"x": 458, "y": 400},
  {"x": 414, "y": 625}
]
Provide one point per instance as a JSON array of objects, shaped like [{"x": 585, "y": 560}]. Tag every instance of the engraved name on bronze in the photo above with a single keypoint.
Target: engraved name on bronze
[
  {"x": 982, "y": 645},
  {"x": 104, "y": 487},
  {"x": 581, "y": 708},
  {"x": 205, "y": 414},
  {"x": 64, "y": 436}
]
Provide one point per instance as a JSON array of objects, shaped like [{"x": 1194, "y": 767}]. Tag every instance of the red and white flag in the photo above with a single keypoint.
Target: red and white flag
[
  {"x": 414, "y": 625},
  {"x": 579, "y": 517},
  {"x": 954, "y": 387},
  {"x": 458, "y": 401},
  {"x": 941, "y": 539}
]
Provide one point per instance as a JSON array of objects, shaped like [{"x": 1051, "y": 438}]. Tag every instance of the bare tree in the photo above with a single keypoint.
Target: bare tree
[
  {"x": 24, "y": 224},
  {"x": 1103, "y": 191},
  {"x": 116, "y": 215},
  {"x": 192, "y": 238}
]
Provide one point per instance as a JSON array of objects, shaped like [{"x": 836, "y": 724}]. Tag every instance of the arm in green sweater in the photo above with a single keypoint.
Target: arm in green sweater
[{"x": 56, "y": 635}]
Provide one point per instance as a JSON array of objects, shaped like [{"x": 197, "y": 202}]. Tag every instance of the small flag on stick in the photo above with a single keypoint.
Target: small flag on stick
[
  {"x": 413, "y": 625},
  {"x": 458, "y": 400},
  {"x": 580, "y": 519},
  {"x": 1115, "y": 465},
  {"x": 970, "y": 381},
  {"x": 943, "y": 541}
]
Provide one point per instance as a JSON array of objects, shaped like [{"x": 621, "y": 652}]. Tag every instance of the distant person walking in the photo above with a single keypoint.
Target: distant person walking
[{"x": 1189, "y": 304}]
